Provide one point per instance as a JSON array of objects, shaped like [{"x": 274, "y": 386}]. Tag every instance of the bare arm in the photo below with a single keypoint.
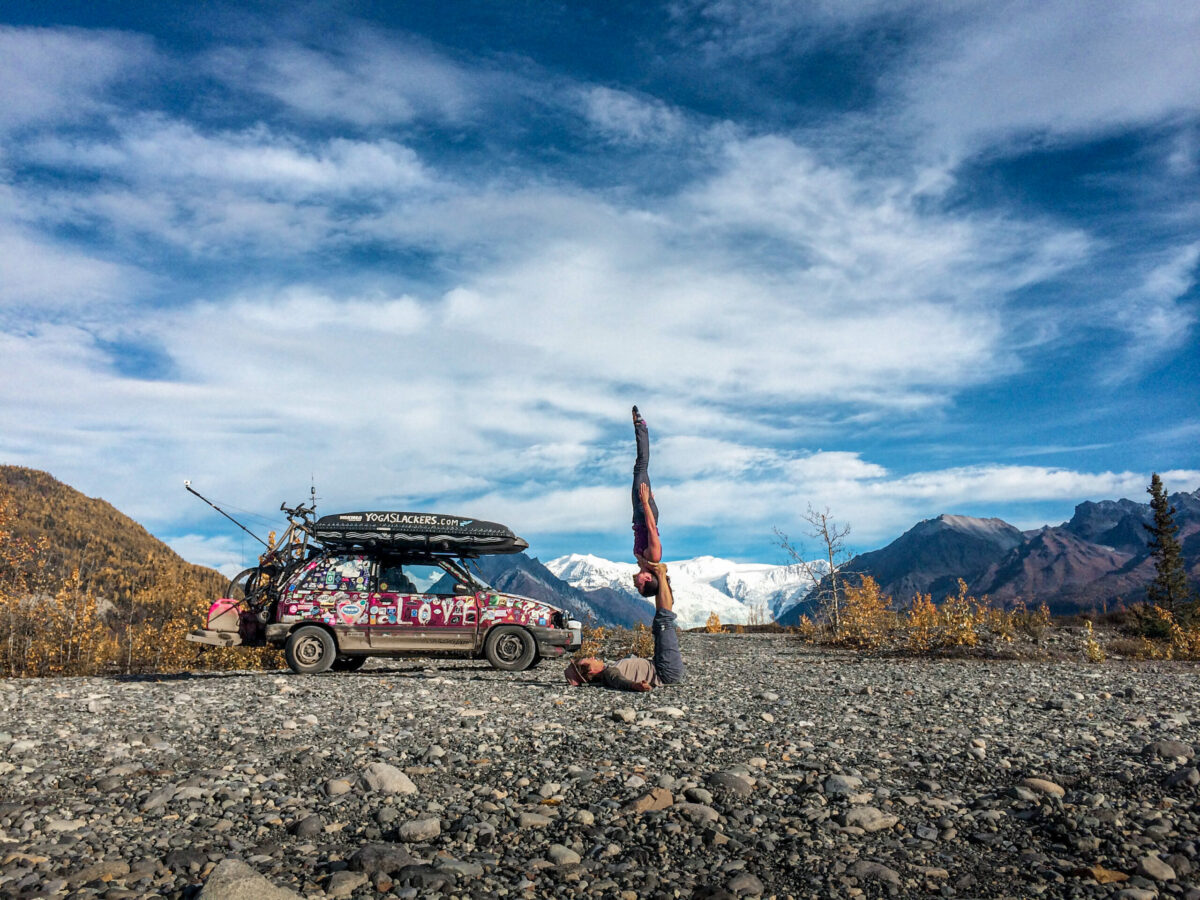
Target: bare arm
[{"x": 653, "y": 544}]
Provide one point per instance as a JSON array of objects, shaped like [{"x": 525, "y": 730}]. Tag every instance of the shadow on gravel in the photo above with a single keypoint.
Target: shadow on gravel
[{"x": 186, "y": 676}]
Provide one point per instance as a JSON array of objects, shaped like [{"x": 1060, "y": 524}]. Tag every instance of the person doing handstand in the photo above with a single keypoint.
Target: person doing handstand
[{"x": 635, "y": 673}]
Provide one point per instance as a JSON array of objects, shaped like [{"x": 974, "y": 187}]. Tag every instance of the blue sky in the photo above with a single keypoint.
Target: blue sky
[{"x": 896, "y": 259}]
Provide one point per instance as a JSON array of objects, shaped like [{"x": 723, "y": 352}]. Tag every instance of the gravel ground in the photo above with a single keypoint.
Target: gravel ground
[{"x": 776, "y": 769}]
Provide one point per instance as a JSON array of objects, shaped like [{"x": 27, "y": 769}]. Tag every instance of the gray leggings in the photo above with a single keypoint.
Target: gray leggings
[{"x": 668, "y": 661}]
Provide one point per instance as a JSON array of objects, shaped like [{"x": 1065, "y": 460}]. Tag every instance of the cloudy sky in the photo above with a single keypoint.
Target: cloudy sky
[{"x": 892, "y": 258}]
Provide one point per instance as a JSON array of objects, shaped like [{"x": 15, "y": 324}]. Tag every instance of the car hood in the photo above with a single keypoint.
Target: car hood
[{"x": 511, "y": 595}]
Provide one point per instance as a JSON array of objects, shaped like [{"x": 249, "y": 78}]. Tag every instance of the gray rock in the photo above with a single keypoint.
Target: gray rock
[
  {"x": 344, "y": 883},
  {"x": 460, "y": 867},
  {"x": 1153, "y": 867},
  {"x": 232, "y": 879},
  {"x": 335, "y": 787},
  {"x": 184, "y": 859},
  {"x": 387, "y": 779},
  {"x": 308, "y": 827},
  {"x": 533, "y": 820},
  {"x": 869, "y": 819},
  {"x": 738, "y": 785},
  {"x": 104, "y": 870},
  {"x": 382, "y": 859},
  {"x": 696, "y": 812},
  {"x": 1169, "y": 749},
  {"x": 158, "y": 799},
  {"x": 874, "y": 871},
  {"x": 1044, "y": 787},
  {"x": 745, "y": 885},
  {"x": 1189, "y": 776},
  {"x": 420, "y": 830},
  {"x": 562, "y": 855},
  {"x": 841, "y": 785}
]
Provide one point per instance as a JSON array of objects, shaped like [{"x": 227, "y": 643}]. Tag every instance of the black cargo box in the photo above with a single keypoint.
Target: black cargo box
[{"x": 428, "y": 532}]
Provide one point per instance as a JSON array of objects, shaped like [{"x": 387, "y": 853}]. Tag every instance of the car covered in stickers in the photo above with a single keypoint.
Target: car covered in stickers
[{"x": 336, "y": 591}]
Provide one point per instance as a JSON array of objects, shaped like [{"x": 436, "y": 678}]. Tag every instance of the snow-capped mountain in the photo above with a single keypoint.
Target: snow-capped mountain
[{"x": 736, "y": 592}]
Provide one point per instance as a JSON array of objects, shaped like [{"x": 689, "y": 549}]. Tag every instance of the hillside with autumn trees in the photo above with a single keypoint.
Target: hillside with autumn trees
[{"x": 85, "y": 589}]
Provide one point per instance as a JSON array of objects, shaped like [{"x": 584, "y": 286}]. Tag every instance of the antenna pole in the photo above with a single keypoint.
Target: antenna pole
[{"x": 192, "y": 490}]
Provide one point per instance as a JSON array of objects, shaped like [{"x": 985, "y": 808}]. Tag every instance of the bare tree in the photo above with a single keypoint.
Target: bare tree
[{"x": 832, "y": 536}]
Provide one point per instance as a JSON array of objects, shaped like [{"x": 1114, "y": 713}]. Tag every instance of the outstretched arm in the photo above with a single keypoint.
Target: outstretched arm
[{"x": 653, "y": 544}]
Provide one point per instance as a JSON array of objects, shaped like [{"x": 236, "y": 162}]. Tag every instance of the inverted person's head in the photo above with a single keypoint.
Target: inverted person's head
[{"x": 646, "y": 583}]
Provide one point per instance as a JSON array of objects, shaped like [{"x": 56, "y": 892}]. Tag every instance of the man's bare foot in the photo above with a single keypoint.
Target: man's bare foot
[{"x": 637, "y": 417}]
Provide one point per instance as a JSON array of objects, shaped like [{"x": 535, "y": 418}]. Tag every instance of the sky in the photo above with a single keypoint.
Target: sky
[{"x": 892, "y": 259}]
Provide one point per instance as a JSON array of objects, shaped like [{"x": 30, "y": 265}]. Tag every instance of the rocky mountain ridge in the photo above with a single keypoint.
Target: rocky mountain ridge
[{"x": 1098, "y": 558}]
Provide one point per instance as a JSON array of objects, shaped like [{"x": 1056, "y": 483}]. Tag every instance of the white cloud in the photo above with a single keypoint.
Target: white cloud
[
  {"x": 365, "y": 79},
  {"x": 154, "y": 150},
  {"x": 1156, "y": 316},
  {"x": 622, "y": 117},
  {"x": 37, "y": 273},
  {"x": 62, "y": 74},
  {"x": 1030, "y": 66},
  {"x": 228, "y": 555}
]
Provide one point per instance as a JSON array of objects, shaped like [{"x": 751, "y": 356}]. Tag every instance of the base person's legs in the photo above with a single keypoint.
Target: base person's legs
[{"x": 668, "y": 661}]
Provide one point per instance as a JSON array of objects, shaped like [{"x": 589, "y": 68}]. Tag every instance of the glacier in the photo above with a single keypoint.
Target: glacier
[{"x": 739, "y": 593}]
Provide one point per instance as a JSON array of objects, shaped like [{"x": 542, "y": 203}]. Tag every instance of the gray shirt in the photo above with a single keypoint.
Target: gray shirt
[{"x": 623, "y": 675}]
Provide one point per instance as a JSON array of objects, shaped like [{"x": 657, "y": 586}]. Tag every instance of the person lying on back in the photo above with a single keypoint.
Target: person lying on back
[{"x": 635, "y": 673}]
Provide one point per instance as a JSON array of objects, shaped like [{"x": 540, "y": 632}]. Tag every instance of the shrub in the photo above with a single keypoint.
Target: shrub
[
  {"x": 923, "y": 624},
  {"x": 592, "y": 641},
  {"x": 866, "y": 616},
  {"x": 1091, "y": 649},
  {"x": 713, "y": 625},
  {"x": 960, "y": 615},
  {"x": 643, "y": 641}
]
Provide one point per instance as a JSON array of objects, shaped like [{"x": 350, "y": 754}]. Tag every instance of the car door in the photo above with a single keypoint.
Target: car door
[
  {"x": 389, "y": 629},
  {"x": 335, "y": 590},
  {"x": 444, "y": 618}
]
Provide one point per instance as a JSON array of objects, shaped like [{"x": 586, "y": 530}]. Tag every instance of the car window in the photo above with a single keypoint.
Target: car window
[
  {"x": 338, "y": 573},
  {"x": 394, "y": 580},
  {"x": 431, "y": 579}
]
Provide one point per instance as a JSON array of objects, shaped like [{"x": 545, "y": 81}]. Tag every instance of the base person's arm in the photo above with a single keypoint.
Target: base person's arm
[{"x": 618, "y": 682}]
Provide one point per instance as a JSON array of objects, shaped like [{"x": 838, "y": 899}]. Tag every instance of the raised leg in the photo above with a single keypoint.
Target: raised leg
[{"x": 668, "y": 661}]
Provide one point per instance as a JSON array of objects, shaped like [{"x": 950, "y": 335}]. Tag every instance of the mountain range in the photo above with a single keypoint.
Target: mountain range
[
  {"x": 1098, "y": 558},
  {"x": 736, "y": 592}
]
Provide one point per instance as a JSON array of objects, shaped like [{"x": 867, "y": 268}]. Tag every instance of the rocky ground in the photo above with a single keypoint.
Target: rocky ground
[{"x": 776, "y": 769}]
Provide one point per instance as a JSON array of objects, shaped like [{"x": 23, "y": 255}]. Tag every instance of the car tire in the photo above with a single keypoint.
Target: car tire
[
  {"x": 349, "y": 663},
  {"x": 510, "y": 648},
  {"x": 310, "y": 650}
]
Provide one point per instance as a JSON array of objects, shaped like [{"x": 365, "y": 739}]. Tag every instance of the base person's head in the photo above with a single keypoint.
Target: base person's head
[
  {"x": 646, "y": 583},
  {"x": 581, "y": 671}
]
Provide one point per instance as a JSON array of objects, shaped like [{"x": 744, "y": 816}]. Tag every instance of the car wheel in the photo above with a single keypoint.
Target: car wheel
[
  {"x": 348, "y": 663},
  {"x": 510, "y": 647},
  {"x": 310, "y": 650}
]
